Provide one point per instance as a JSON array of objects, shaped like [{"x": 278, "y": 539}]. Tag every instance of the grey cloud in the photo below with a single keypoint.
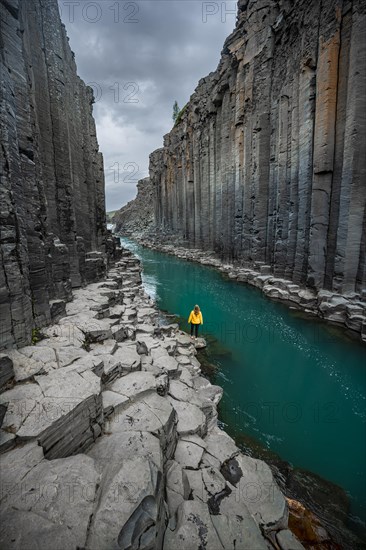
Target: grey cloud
[{"x": 163, "y": 54}]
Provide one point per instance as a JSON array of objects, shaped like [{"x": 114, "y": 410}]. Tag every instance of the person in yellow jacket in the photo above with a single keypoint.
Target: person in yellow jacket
[{"x": 196, "y": 319}]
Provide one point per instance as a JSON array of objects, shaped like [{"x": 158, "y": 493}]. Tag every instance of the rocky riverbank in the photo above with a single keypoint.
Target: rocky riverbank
[
  {"x": 109, "y": 438},
  {"x": 344, "y": 310}
]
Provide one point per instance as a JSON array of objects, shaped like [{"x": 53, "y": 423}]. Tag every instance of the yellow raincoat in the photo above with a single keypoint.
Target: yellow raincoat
[{"x": 195, "y": 319}]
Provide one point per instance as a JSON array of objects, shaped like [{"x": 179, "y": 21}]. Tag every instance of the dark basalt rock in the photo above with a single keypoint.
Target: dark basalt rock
[
  {"x": 137, "y": 216},
  {"x": 52, "y": 182}
]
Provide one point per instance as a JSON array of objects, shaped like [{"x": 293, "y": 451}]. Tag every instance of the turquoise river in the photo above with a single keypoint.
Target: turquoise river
[{"x": 293, "y": 387}]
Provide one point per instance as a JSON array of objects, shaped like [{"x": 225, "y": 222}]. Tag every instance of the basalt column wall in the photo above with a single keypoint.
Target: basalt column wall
[
  {"x": 266, "y": 165},
  {"x": 52, "y": 213}
]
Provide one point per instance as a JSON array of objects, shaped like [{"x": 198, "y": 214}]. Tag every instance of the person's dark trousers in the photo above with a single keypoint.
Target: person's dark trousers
[{"x": 195, "y": 328}]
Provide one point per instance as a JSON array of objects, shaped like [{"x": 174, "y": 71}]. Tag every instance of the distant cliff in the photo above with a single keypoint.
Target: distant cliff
[
  {"x": 52, "y": 218},
  {"x": 137, "y": 216},
  {"x": 267, "y": 164}
]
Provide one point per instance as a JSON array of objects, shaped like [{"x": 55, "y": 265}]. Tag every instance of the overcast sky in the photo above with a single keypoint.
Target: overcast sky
[{"x": 139, "y": 57}]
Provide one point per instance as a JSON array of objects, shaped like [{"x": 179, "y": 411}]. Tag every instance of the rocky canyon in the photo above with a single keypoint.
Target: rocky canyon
[
  {"x": 110, "y": 436},
  {"x": 266, "y": 163}
]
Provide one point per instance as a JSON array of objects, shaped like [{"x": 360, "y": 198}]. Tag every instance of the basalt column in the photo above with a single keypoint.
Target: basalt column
[
  {"x": 52, "y": 183},
  {"x": 266, "y": 164}
]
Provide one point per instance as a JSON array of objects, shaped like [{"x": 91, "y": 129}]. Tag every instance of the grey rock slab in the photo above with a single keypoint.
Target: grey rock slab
[
  {"x": 162, "y": 384},
  {"x": 168, "y": 364},
  {"x": 170, "y": 344},
  {"x": 151, "y": 413},
  {"x": 52, "y": 506},
  {"x": 130, "y": 502},
  {"x": 130, "y": 314},
  {"x": 199, "y": 382},
  {"x": 177, "y": 486},
  {"x": 141, "y": 348},
  {"x": 205, "y": 483},
  {"x": 211, "y": 393},
  {"x": 188, "y": 454},
  {"x": 159, "y": 351},
  {"x": 20, "y": 402},
  {"x": 111, "y": 449},
  {"x": 194, "y": 438},
  {"x": 26, "y": 367},
  {"x": 144, "y": 328},
  {"x": 191, "y": 420},
  {"x": 183, "y": 340},
  {"x": 63, "y": 335},
  {"x": 73, "y": 428},
  {"x": 66, "y": 355},
  {"x": 213, "y": 480},
  {"x": 195, "y": 363},
  {"x": 150, "y": 341},
  {"x": 117, "y": 311},
  {"x": 124, "y": 360},
  {"x": 95, "y": 330},
  {"x": 194, "y": 529},
  {"x": 176, "y": 479},
  {"x": 71, "y": 384},
  {"x": 135, "y": 384},
  {"x": 220, "y": 445},
  {"x": 146, "y": 312},
  {"x": 256, "y": 487},
  {"x": 87, "y": 362},
  {"x": 108, "y": 284},
  {"x": 184, "y": 351},
  {"x": 108, "y": 346},
  {"x": 113, "y": 402},
  {"x": 186, "y": 376},
  {"x": 239, "y": 532},
  {"x": 183, "y": 359},
  {"x": 181, "y": 392},
  {"x": 16, "y": 464},
  {"x": 60, "y": 411}
]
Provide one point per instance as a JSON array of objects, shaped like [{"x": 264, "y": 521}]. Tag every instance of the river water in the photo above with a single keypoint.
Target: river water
[{"x": 293, "y": 387}]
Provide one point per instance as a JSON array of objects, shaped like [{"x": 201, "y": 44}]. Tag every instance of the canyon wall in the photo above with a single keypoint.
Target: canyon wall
[
  {"x": 137, "y": 216},
  {"x": 52, "y": 218},
  {"x": 266, "y": 165}
]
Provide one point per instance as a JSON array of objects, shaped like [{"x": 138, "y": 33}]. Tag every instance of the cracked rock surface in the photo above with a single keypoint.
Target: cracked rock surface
[{"x": 119, "y": 448}]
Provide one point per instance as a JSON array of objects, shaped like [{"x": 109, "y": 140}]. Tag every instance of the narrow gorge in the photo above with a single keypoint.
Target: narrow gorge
[
  {"x": 116, "y": 430},
  {"x": 265, "y": 166}
]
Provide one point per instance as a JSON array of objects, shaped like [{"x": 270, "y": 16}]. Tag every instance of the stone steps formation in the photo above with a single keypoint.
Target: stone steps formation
[{"x": 109, "y": 438}]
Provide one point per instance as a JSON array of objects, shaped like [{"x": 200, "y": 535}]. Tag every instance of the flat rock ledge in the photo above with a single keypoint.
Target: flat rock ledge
[
  {"x": 109, "y": 438},
  {"x": 347, "y": 310}
]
